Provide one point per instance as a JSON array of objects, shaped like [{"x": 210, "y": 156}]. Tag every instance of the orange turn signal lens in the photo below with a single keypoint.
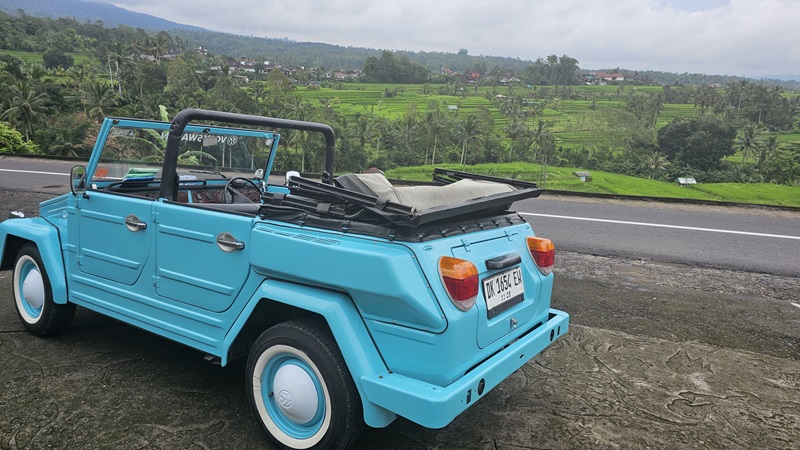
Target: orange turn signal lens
[
  {"x": 460, "y": 279},
  {"x": 543, "y": 253}
]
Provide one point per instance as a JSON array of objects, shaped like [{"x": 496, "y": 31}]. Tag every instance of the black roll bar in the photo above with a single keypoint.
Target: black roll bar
[{"x": 169, "y": 176}]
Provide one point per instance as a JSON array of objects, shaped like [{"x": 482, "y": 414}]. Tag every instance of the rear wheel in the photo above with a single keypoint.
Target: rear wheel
[
  {"x": 301, "y": 389},
  {"x": 33, "y": 295}
]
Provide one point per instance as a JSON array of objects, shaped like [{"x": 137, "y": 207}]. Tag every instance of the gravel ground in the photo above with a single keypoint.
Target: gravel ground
[{"x": 640, "y": 272}]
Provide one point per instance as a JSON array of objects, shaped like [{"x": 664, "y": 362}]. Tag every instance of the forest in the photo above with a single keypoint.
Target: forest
[{"x": 59, "y": 78}]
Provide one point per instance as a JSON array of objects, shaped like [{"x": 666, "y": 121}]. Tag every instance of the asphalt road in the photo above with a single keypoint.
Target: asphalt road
[
  {"x": 746, "y": 239},
  {"x": 739, "y": 238}
]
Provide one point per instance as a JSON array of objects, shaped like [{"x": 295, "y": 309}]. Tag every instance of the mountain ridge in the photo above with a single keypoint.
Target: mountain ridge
[
  {"x": 84, "y": 10},
  {"x": 309, "y": 54}
]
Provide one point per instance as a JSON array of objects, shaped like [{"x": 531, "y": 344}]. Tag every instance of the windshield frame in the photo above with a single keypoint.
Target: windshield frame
[{"x": 110, "y": 124}]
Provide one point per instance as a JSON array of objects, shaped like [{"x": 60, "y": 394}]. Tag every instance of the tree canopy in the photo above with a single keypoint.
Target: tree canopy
[
  {"x": 391, "y": 69},
  {"x": 700, "y": 142}
]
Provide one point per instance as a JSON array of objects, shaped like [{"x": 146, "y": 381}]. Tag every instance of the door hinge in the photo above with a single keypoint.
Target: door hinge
[{"x": 155, "y": 281}]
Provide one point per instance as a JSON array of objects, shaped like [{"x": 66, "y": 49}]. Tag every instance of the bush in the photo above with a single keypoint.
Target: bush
[{"x": 11, "y": 141}]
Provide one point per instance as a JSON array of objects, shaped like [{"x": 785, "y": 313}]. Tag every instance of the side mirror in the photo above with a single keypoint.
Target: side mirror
[
  {"x": 259, "y": 174},
  {"x": 77, "y": 180}
]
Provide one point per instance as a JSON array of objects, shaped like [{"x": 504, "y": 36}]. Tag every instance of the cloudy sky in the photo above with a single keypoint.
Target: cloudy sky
[{"x": 734, "y": 37}]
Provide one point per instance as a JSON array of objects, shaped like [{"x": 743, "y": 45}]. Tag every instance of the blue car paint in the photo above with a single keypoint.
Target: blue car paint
[
  {"x": 384, "y": 278},
  {"x": 347, "y": 327},
  {"x": 46, "y": 238},
  {"x": 436, "y": 406}
]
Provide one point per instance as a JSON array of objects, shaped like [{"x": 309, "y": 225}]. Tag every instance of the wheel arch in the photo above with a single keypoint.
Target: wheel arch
[
  {"x": 276, "y": 301},
  {"x": 17, "y": 232}
]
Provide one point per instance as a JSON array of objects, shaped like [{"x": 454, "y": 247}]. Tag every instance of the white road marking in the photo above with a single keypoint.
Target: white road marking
[
  {"x": 795, "y": 304},
  {"x": 33, "y": 171},
  {"x": 660, "y": 225}
]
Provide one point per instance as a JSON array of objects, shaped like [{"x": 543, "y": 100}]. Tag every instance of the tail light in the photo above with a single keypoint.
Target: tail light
[
  {"x": 543, "y": 252},
  {"x": 460, "y": 279}
]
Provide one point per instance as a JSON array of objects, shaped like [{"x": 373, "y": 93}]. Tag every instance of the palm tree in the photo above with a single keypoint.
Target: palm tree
[
  {"x": 26, "y": 108},
  {"x": 749, "y": 139},
  {"x": 767, "y": 150},
  {"x": 363, "y": 130},
  {"x": 408, "y": 127},
  {"x": 705, "y": 97},
  {"x": 656, "y": 162},
  {"x": 469, "y": 129},
  {"x": 119, "y": 59},
  {"x": 657, "y": 106},
  {"x": 540, "y": 136},
  {"x": 437, "y": 124},
  {"x": 515, "y": 130},
  {"x": 98, "y": 99},
  {"x": 79, "y": 75}
]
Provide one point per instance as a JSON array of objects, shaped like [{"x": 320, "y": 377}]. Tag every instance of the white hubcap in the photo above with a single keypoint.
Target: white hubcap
[
  {"x": 33, "y": 289},
  {"x": 295, "y": 393}
]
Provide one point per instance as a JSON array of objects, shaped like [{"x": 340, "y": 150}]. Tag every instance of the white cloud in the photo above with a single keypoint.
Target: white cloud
[{"x": 737, "y": 37}]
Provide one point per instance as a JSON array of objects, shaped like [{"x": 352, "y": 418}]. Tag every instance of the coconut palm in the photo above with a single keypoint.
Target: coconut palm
[
  {"x": 749, "y": 139},
  {"x": 656, "y": 162},
  {"x": 363, "y": 130},
  {"x": 705, "y": 97},
  {"x": 27, "y": 108},
  {"x": 437, "y": 125},
  {"x": 657, "y": 105},
  {"x": 469, "y": 129},
  {"x": 515, "y": 130},
  {"x": 767, "y": 150},
  {"x": 98, "y": 99}
]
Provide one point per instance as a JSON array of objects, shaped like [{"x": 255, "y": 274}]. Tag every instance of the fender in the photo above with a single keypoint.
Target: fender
[
  {"x": 46, "y": 238},
  {"x": 346, "y": 324}
]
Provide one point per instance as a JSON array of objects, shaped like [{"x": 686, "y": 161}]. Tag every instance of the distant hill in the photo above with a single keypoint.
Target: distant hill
[
  {"x": 83, "y": 11},
  {"x": 784, "y": 77},
  {"x": 315, "y": 54}
]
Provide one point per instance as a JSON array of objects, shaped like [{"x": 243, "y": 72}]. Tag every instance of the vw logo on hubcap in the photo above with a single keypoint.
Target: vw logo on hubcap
[{"x": 285, "y": 399}]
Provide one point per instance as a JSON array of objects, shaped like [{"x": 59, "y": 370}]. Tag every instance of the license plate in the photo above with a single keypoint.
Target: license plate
[{"x": 502, "y": 288}]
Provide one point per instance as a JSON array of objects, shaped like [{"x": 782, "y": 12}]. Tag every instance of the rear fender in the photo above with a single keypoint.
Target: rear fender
[
  {"x": 14, "y": 233},
  {"x": 346, "y": 325}
]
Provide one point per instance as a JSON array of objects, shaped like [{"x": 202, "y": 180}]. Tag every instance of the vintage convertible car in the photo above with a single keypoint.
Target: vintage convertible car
[{"x": 354, "y": 300}]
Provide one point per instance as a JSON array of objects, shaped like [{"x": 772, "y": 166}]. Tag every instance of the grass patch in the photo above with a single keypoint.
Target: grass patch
[{"x": 562, "y": 178}]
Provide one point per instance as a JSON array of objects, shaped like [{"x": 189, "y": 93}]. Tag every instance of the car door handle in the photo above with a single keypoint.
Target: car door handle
[
  {"x": 135, "y": 224},
  {"x": 228, "y": 243}
]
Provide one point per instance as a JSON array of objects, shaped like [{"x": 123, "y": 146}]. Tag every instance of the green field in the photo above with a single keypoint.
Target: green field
[
  {"x": 569, "y": 126},
  {"x": 36, "y": 58},
  {"x": 562, "y": 178}
]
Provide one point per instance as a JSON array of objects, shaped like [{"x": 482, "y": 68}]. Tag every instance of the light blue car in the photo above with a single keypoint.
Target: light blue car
[{"x": 354, "y": 300}]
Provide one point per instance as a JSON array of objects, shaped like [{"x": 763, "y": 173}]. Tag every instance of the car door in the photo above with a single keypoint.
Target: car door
[
  {"x": 115, "y": 237},
  {"x": 202, "y": 255}
]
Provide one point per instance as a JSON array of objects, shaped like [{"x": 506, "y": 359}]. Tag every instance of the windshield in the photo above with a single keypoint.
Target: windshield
[{"x": 137, "y": 153}]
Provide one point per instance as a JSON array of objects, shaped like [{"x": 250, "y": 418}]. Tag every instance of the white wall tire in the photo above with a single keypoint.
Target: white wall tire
[
  {"x": 300, "y": 388},
  {"x": 33, "y": 295}
]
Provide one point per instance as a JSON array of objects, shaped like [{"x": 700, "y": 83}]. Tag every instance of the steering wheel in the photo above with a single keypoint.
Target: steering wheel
[{"x": 230, "y": 194}]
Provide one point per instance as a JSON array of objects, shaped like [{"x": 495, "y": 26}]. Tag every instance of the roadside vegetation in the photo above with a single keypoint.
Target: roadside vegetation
[
  {"x": 542, "y": 122},
  {"x": 564, "y": 179}
]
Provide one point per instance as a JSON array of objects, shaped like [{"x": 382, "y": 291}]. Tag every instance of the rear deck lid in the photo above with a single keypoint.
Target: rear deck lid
[{"x": 510, "y": 286}]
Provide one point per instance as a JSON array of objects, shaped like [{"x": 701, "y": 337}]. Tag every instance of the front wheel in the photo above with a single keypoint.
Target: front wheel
[
  {"x": 33, "y": 295},
  {"x": 301, "y": 390}
]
